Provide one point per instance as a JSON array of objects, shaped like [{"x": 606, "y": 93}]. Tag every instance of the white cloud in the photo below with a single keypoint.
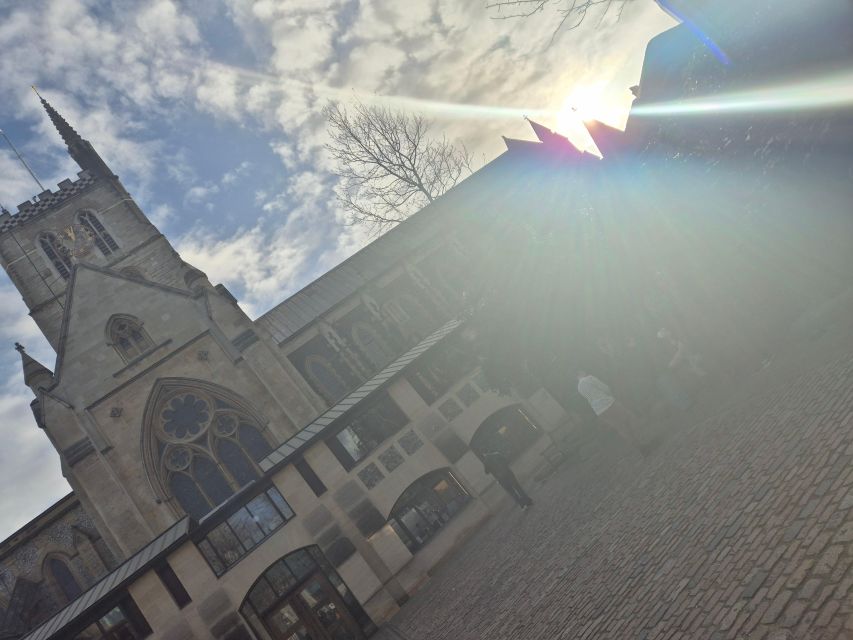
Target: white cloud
[
  {"x": 16, "y": 185},
  {"x": 32, "y": 477},
  {"x": 115, "y": 72},
  {"x": 241, "y": 170},
  {"x": 200, "y": 193},
  {"x": 160, "y": 215},
  {"x": 31, "y": 474}
]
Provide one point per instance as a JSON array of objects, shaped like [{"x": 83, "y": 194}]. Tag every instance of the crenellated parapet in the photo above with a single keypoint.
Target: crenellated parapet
[{"x": 45, "y": 201}]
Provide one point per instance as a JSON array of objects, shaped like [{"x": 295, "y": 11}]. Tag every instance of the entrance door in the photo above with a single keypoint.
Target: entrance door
[{"x": 314, "y": 612}]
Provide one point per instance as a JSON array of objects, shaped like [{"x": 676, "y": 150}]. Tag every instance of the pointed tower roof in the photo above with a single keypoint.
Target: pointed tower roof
[
  {"x": 80, "y": 149},
  {"x": 514, "y": 143},
  {"x": 69, "y": 136},
  {"x": 35, "y": 373},
  {"x": 551, "y": 139},
  {"x": 609, "y": 140}
]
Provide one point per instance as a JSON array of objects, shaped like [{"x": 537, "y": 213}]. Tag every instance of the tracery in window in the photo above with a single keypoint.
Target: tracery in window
[
  {"x": 128, "y": 337},
  {"x": 103, "y": 240},
  {"x": 409, "y": 314},
  {"x": 371, "y": 345},
  {"x": 437, "y": 371},
  {"x": 56, "y": 253},
  {"x": 325, "y": 378},
  {"x": 207, "y": 446}
]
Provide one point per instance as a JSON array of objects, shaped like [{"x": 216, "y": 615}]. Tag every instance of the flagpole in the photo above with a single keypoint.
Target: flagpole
[{"x": 20, "y": 157}]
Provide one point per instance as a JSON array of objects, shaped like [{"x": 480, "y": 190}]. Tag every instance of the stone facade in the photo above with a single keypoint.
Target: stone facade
[
  {"x": 304, "y": 472},
  {"x": 165, "y": 398}
]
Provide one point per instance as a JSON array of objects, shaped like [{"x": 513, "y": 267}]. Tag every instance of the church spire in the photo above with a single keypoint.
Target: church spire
[
  {"x": 69, "y": 136},
  {"x": 80, "y": 149},
  {"x": 36, "y": 375}
]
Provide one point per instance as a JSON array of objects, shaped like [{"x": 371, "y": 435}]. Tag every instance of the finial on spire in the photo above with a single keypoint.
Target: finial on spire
[
  {"x": 35, "y": 373},
  {"x": 79, "y": 149},
  {"x": 33, "y": 87}
]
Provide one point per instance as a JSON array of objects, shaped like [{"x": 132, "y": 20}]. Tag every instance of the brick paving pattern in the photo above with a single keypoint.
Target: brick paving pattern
[{"x": 738, "y": 527}]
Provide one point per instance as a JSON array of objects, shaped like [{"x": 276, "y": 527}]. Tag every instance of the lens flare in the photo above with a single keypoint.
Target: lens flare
[{"x": 829, "y": 92}]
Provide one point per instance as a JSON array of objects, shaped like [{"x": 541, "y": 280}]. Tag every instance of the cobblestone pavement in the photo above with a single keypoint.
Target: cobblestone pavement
[{"x": 740, "y": 526}]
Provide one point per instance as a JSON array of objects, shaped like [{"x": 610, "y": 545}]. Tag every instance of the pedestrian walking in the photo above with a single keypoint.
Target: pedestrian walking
[
  {"x": 607, "y": 408},
  {"x": 496, "y": 464}
]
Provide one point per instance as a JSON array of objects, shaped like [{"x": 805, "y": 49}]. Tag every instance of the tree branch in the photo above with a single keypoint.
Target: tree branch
[{"x": 387, "y": 165}]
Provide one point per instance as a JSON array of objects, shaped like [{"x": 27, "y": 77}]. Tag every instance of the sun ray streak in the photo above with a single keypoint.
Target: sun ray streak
[{"x": 823, "y": 93}]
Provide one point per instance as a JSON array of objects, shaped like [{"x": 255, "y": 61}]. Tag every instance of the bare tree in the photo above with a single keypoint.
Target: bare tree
[
  {"x": 388, "y": 165},
  {"x": 571, "y": 13}
]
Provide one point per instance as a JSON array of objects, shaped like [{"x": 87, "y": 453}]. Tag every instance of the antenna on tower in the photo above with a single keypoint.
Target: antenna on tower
[{"x": 20, "y": 157}]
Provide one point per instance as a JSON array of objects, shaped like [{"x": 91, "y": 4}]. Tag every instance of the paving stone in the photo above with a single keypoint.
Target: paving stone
[{"x": 737, "y": 527}]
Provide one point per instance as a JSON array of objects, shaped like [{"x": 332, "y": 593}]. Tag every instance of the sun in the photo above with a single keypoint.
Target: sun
[{"x": 584, "y": 102}]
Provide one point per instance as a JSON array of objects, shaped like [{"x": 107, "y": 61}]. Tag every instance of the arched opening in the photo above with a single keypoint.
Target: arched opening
[
  {"x": 103, "y": 240},
  {"x": 62, "y": 577},
  {"x": 128, "y": 337},
  {"x": 371, "y": 345},
  {"x": 57, "y": 254},
  {"x": 509, "y": 431},
  {"x": 204, "y": 442},
  {"x": 426, "y": 506},
  {"x": 325, "y": 379},
  {"x": 302, "y": 597}
]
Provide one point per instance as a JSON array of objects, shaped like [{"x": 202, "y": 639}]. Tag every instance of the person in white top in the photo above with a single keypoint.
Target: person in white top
[{"x": 607, "y": 408}]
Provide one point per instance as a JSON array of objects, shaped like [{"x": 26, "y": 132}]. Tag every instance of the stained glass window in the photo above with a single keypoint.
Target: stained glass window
[{"x": 207, "y": 447}]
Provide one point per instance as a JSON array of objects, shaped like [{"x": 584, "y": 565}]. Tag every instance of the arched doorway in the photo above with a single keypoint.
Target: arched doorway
[
  {"x": 509, "y": 430},
  {"x": 302, "y": 597}
]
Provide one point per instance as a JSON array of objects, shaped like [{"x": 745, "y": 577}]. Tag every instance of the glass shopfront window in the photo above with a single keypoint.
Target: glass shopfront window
[
  {"x": 124, "y": 621},
  {"x": 364, "y": 433},
  {"x": 245, "y": 529},
  {"x": 426, "y": 507}
]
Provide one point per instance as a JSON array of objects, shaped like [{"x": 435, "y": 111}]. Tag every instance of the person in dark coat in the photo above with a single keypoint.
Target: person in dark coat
[{"x": 497, "y": 465}]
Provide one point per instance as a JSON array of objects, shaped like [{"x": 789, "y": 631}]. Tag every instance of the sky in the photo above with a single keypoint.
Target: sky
[{"x": 211, "y": 114}]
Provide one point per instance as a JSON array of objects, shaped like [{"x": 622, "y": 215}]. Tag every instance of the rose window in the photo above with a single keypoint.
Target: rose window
[{"x": 185, "y": 417}]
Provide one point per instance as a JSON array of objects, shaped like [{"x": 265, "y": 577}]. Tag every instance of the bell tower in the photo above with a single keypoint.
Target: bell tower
[{"x": 91, "y": 219}]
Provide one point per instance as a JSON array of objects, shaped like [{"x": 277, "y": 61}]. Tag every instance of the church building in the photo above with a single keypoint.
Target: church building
[
  {"x": 300, "y": 475},
  {"x": 292, "y": 476}
]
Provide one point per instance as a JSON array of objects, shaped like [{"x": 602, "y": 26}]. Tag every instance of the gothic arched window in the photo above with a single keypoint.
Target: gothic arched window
[
  {"x": 103, "y": 240},
  {"x": 56, "y": 253},
  {"x": 128, "y": 337},
  {"x": 63, "y": 578},
  {"x": 325, "y": 378},
  {"x": 207, "y": 447},
  {"x": 370, "y": 344}
]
